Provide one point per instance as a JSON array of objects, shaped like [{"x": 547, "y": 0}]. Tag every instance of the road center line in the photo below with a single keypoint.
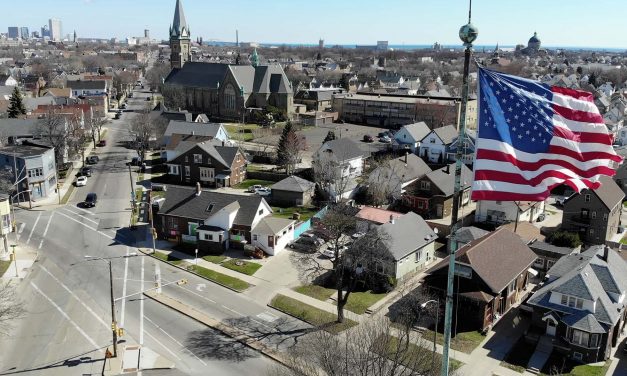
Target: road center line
[
  {"x": 33, "y": 229},
  {"x": 75, "y": 296},
  {"x": 123, "y": 309},
  {"x": 164, "y": 346},
  {"x": 91, "y": 228},
  {"x": 22, "y": 225},
  {"x": 65, "y": 315},
  {"x": 43, "y": 236}
]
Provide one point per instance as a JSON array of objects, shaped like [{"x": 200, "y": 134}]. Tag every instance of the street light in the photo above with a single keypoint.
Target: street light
[
  {"x": 196, "y": 252},
  {"x": 114, "y": 324},
  {"x": 435, "y": 330},
  {"x": 15, "y": 260}
]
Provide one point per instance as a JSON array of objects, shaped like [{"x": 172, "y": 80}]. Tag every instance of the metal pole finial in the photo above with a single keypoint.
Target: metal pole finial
[{"x": 469, "y": 10}]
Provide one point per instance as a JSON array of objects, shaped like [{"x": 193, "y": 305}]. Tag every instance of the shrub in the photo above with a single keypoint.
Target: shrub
[{"x": 564, "y": 239}]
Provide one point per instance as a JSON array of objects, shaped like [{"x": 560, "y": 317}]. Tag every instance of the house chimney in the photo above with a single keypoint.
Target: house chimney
[
  {"x": 193, "y": 133},
  {"x": 198, "y": 190},
  {"x": 447, "y": 169},
  {"x": 223, "y": 143},
  {"x": 606, "y": 251},
  {"x": 392, "y": 218}
]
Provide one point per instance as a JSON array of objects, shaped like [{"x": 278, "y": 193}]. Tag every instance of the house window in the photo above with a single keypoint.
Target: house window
[
  {"x": 585, "y": 213},
  {"x": 418, "y": 255},
  {"x": 594, "y": 339},
  {"x": 209, "y": 237},
  {"x": 574, "y": 302},
  {"x": 580, "y": 337},
  {"x": 379, "y": 268},
  {"x": 587, "y": 198},
  {"x": 186, "y": 159},
  {"x": 594, "y": 215},
  {"x": 549, "y": 264},
  {"x": 5, "y": 221},
  {"x": 539, "y": 262},
  {"x": 197, "y": 158},
  {"x": 187, "y": 171},
  {"x": 420, "y": 204},
  {"x": 511, "y": 288},
  {"x": 605, "y": 217},
  {"x": 564, "y": 299},
  {"x": 591, "y": 231},
  {"x": 261, "y": 211},
  {"x": 425, "y": 185},
  {"x": 255, "y": 237},
  {"x": 432, "y": 140}
]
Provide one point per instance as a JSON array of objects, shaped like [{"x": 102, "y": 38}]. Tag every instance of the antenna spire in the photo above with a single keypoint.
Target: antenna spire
[{"x": 469, "y": 10}]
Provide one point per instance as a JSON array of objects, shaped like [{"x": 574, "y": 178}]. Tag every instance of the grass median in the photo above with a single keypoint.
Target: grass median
[
  {"x": 223, "y": 279},
  {"x": 413, "y": 356},
  {"x": 4, "y": 265},
  {"x": 310, "y": 314},
  {"x": 245, "y": 267},
  {"x": 463, "y": 341}
]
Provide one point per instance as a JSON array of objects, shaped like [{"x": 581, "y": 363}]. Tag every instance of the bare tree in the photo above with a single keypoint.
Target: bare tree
[
  {"x": 157, "y": 74},
  {"x": 373, "y": 348},
  {"x": 385, "y": 178},
  {"x": 143, "y": 128},
  {"x": 11, "y": 308},
  {"x": 54, "y": 130},
  {"x": 174, "y": 97},
  {"x": 7, "y": 179},
  {"x": 332, "y": 176},
  {"x": 93, "y": 124},
  {"x": 361, "y": 262}
]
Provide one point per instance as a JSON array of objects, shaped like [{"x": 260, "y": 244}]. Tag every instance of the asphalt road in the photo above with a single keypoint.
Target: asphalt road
[{"x": 67, "y": 326}]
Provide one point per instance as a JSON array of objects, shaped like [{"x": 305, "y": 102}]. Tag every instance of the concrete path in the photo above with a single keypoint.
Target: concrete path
[{"x": 540, "y": 355}]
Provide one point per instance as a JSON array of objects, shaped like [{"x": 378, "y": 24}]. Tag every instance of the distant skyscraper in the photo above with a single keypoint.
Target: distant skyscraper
[
  {"x": 14, "y": 32},
  {"x": 35, "y": 35},
  {"x": 45, "y": 32},
  {"x": 321, "y": 43},
  {"x": 180, "y": 52},
  {"x": 146, "y": 33},
  {"x": 24, "y": 32},
  {"x": 55, "y": 29},
  {"x": 75, "y": 39}
]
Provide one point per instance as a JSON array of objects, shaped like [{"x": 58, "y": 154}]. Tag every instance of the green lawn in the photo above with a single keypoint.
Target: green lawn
[
  {"x": 214, "y": 259},
  {"x": 232, "y": 282},
  {"x": 67, "y": 194},
  {"x": 567, "y": 367},
  {"x": 250, "y": 182},
  {"x": 464, "y": 341},
  {"x": 244, "y": 267},
  {"x": 519, "y": 355},
  {"x": 417, "y": 358},
  {"x": 359, "y": 302},
  {"x": 241, "y": 132},
  {"x": 624, "y": 240},
  {"x": 305, "y": 213},
  {"x": 315, "y": 291},
  {"x": 4, "y": 265},
  {"x": 312, "y": 315}
]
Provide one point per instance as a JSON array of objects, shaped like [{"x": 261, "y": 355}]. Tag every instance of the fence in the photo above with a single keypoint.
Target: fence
[{"x": 303, "y": 226}]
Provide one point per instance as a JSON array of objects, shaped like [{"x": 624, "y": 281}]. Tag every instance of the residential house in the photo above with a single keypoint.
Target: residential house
[
  {"x": 7, "y": 80},
  {"x": 499, "y": 212},
  {"x": 548, "y": 254},
  {"x": 468, "y": 148},
  {"x": 467, "y": 234},
  {"x": 411, "y": 243},
  {"x": 208, "y": 164},
  {"x": 218, "y": 221},
  {"x": 172, "y": 149},
  {"x": 337, "y": 165},
  {"x": 213, "y": 130},
  {"x": 292, "y": 191},
  {"x": 432, "y": 195},
  {"x": 594, "y": 213},
  {"x": 34, "y": 84},
  {"x": 6, "y": 227},
  {"x": 390, "y": 178},
  {"x": 434, "y": 146},
  {"x": 369, "y": 217},
  {"x": 581, "y": 304},
  {"x": 410, "y": 136},
  {"x": 317, "y": 99},
  {"x": 36, "y": 169},
  {"x": 491, "y": 276},
  {"x": 98, "y": 90}
]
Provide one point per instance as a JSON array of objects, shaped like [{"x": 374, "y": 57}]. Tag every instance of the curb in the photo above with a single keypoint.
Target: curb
[
  {"x": 223, "y": 328},
  {"x": 198, "y": 275}
]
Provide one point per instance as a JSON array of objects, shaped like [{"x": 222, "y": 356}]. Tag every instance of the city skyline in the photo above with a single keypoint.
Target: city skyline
[{"x": 400, "y": 22}]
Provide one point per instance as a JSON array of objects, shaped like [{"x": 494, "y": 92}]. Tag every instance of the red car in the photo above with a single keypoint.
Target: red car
[{"x": 102, "y": 143}]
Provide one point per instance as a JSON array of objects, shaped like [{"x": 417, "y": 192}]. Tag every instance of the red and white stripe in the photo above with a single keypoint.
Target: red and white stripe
[{"x": 580, "y": 152}]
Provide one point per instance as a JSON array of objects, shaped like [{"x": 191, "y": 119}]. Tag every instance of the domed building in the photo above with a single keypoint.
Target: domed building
[{"x": 533, "y": 46}]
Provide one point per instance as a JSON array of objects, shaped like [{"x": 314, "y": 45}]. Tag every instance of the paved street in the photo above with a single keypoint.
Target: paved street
[{"x": 67, "y": 327}]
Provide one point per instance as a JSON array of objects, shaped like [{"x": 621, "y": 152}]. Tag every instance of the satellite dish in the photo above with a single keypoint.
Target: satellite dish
[{"x": 436, "y": 230}]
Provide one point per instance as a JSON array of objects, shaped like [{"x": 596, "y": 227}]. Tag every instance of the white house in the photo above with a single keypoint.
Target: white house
[
  {"x": 435, "y": 144},
  {"x": 7, "y": 80},
  {"x": 213, "y": 130},
  {"x": 88, "y": 88},
  {"x": 337, "y": 165},
  {"x": 410, "y": 135},
  {"x": 273, "y": 234},
  {"x": 498, "y": 212},
  {"x": 607, "y": 89}
]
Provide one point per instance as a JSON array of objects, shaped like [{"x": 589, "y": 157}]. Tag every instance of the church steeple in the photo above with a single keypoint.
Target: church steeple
[{"x": 180, "y": 38}]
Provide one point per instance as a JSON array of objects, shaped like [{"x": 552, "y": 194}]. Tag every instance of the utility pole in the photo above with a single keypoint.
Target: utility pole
[
  {"x": 130, "y": 175},
  {"x": 114, "y": 324},
  {"x": 153, "y": 232},
  {"x": 467, "y": 33}
]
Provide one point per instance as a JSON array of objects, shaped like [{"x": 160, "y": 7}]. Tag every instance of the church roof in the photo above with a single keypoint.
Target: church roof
[{"x": 534, "y": 38}]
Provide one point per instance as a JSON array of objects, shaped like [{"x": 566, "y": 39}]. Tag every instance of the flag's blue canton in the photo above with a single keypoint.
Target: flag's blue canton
[{"x": 515, "y": 111}]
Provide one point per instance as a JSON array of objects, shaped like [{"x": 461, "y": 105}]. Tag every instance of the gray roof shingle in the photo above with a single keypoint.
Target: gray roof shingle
[
  {"x": 343, "y": 149},
  {"x": 418, "y": 131},
  {"x": 445, "y": 181},
  {"x": 447, "y": 134},
  {"x": 198, "y": 74},
  {"x": 407, "y": 234},
  {"x": 183, "y": 202},
  {"x": 293, "y": 184},
  {"x": 199, "y": 129}
]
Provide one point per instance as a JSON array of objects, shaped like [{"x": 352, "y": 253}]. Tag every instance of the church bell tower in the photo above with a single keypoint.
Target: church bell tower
[{"x": 179, "y": 39}]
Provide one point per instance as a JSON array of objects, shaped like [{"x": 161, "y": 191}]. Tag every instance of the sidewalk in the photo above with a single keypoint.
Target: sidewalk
[{"x": 26, "y": 256}]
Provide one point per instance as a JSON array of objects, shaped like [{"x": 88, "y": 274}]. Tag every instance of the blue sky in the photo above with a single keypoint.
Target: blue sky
[{"x": 508, "y": 22}]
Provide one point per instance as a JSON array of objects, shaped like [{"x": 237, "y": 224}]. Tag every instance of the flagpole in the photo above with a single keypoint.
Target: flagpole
[{"x": 468, "y": 34}]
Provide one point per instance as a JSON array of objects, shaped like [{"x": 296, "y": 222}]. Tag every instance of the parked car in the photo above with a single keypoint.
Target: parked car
[
  {"x": 123, "y": 106},
  {"x": 253, "y": 188},
  {"x": 148, "y": 98},
  {"x": 102, "y": 143},
  {"x": 117, "y": 115},
  {"x": 136, "y": 161},
  {"x": 329, "y": 251},
  {"x": 81, "y": 181},
  {"x": 263, "y": 191},
  {"x": 385, "y": 139},
  {"x": 308, "y": 237},
  {"x": 91, "y": 200},
  {"x": 368, "y": 138},
  {"x": 130, "y": 95},
  {"x": 85, "y": 171},
  {"x": 92, "y": 159}
]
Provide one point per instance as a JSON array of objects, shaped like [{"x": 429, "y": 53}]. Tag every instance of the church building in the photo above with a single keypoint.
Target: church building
[{"x": 223, "y": 91}]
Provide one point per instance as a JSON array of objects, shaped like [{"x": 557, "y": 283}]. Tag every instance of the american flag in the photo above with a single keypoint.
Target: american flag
[{"x": 533, "y": 136}]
